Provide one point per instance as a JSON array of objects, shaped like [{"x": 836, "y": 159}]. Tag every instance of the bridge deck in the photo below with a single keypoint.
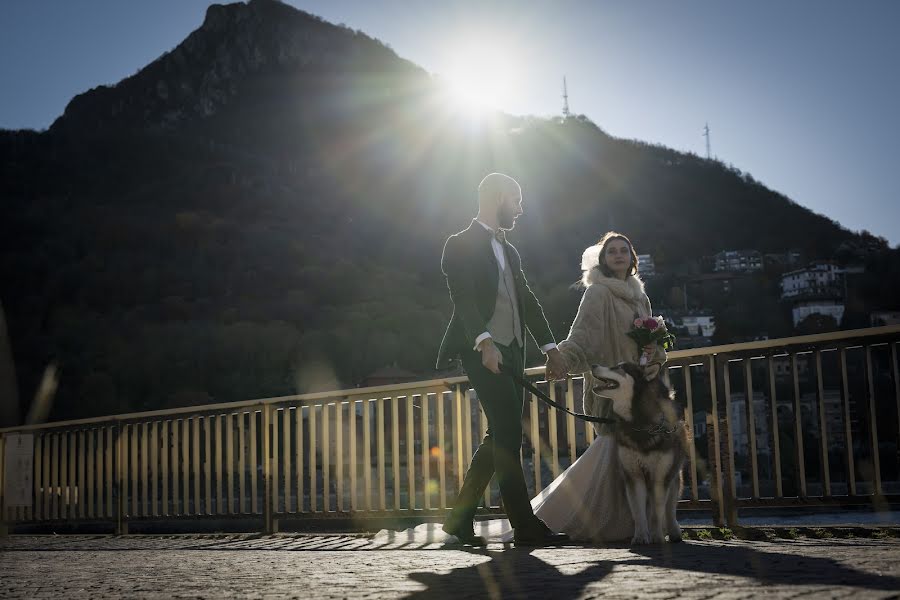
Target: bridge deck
[{"x": 347, "y": 566}]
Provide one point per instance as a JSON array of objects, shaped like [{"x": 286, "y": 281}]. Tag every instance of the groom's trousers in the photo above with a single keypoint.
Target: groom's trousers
[{"x": 502, "y": 401}]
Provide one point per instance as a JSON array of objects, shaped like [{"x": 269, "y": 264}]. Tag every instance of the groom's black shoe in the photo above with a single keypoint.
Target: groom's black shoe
[
  {"x": 464, "y": 532},
  {"x": 466, "y": 537},
  {"x": 538, "y": 534}
]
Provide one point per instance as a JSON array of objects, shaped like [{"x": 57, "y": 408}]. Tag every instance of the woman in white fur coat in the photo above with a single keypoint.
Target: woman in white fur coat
[{"x": 613, "y": 298}]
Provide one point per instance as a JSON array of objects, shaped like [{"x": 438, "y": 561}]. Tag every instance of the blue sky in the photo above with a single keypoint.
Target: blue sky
[{"x": 802, "y": 94}]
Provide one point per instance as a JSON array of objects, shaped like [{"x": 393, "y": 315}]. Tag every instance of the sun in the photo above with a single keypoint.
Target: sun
[{"x": 481, "y": 76}]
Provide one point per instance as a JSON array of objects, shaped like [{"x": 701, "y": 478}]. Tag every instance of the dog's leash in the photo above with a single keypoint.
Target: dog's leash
[{"x": 531, "y": 388}]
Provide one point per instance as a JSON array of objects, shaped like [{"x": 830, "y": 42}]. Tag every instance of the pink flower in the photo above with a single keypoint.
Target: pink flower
[
  {"x": 638, "y": 323},
  {"x": 651, "y": 323}
]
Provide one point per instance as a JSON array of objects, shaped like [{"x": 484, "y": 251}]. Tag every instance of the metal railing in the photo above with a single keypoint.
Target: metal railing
[{"x": 800, "y": 421}]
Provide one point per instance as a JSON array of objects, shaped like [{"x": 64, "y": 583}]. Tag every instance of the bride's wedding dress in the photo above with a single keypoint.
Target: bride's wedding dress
[{"x": 587, "y": 502}]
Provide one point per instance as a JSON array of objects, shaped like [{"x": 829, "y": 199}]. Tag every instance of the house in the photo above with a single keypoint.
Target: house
[
  {"x": 835, "y": 428},
  {"x": 738, "y": 260},
  {"x": 821, "y": 279},
  {"x": 830, "y": 308},
  {"x": 885, "y": 317},
  {"x": 705, "y": 289},
  {"x": 646, "y": 266},
  {"x": 791, "y": 258},
  {"x": 700, "y": 324},
  {"x": 819, "y": 288},
  {"x": 740, "y": 433}
]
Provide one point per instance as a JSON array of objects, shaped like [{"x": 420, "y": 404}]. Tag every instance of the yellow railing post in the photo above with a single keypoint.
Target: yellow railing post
[
  {"x": 4, "y": 527},
  {"x": 270, "y": 524},
  {"x": 717, "y": 493},
  {"x": 119, "y": 479}
]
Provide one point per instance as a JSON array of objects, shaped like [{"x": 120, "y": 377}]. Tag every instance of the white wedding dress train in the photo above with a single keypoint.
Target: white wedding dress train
[{"x": 587, "y": 502}]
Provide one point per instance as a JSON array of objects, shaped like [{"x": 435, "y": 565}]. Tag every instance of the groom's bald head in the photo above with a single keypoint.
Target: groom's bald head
[
  {"x": 496, "y": 187},
  {"x": 499, "y": 201}
]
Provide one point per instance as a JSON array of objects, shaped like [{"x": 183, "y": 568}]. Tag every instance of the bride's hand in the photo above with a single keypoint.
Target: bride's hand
[{"x": 556, "y": 365}]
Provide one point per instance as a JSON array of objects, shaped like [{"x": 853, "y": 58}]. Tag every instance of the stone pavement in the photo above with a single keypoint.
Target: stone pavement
[{"x": 346, "y": 566}]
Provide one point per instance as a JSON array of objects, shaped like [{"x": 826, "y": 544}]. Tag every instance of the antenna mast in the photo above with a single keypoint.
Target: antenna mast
[
  {"x": 565, "y": 97},
  {"x": 706, "y": 135}
]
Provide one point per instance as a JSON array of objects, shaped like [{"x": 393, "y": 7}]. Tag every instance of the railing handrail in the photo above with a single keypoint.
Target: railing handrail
[
  {"x": 800, "y": 340},
  {"x": 448, "y": 382}
]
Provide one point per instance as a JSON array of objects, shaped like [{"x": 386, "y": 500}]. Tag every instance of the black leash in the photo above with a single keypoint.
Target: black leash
[{"x": 531, "y": 388}]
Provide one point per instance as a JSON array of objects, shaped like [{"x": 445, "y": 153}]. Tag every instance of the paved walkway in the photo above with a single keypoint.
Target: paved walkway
[{"x": 340, "y": 566}]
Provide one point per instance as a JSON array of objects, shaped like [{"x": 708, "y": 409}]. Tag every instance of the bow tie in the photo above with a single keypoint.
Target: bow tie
[{"x": 500, "y": 236}]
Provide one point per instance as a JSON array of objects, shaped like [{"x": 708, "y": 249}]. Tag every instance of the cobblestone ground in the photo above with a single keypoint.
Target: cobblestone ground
[{"x": 336, "y": 566}]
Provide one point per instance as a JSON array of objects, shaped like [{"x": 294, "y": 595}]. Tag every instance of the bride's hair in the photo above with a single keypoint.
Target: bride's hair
[{"x": 593, "y": 255}]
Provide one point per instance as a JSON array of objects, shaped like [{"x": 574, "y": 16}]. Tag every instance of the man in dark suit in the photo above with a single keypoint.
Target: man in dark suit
[{"x": 492, "y": 308}]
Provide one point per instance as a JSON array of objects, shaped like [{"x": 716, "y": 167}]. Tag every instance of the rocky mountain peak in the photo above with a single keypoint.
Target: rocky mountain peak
[{"x": 235, "y": 43}]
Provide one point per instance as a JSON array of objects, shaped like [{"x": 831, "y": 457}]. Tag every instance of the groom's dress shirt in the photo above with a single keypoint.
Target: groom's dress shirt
[{"x": 500, "y": 255}]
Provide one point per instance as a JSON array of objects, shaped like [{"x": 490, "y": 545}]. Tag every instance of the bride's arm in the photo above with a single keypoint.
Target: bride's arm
[{"x": 584, "y": 345}]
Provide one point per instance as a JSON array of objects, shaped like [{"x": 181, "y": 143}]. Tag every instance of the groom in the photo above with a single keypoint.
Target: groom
[{"x": 492, "y": 307}]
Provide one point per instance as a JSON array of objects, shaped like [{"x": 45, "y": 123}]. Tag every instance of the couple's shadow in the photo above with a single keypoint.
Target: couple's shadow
[
  {"x": 510, "y": 573},
  {"x": 518, "y": 572}
]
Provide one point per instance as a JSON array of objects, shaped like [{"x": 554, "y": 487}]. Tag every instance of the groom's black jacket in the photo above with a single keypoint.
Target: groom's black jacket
[{"x": 472, "y": 277}]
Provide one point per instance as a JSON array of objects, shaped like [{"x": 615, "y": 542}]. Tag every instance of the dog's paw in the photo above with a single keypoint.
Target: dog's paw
[
  {"x": 641, "y": 539},
  {"x": 675, "y": 536}
]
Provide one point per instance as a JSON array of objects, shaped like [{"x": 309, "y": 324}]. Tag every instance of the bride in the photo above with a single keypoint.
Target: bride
[{"x": 587, "y": 501}]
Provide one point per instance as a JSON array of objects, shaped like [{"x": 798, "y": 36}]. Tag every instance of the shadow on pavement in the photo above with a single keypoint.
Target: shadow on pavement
[
  {"x": 508, "y": 573},
  {"x": 517, "y": 573},
  {"x": 776, "y": 568}
]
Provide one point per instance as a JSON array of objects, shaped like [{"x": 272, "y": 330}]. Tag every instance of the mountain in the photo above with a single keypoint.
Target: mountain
[{"x": 261, "y": 211}]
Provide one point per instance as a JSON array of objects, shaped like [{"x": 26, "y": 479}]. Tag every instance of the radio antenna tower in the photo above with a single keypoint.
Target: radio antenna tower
[
  {"x": 565, "y": 97},
  {"x": 706, "y": 135}
]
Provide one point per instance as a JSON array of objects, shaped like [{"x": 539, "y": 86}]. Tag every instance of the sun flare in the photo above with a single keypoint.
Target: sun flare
[{"x": 481, "y": 76}]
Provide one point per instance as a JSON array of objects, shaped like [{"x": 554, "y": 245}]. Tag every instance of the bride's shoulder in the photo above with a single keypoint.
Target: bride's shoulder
[{"x": 596, "y": 292}]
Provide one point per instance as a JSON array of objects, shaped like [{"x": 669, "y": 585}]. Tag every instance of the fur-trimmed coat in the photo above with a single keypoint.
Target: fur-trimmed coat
[{"x": 598, "y": 334}]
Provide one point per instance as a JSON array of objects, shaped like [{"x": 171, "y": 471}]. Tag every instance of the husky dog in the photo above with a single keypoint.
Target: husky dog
[{"x": 651, "y": 440}]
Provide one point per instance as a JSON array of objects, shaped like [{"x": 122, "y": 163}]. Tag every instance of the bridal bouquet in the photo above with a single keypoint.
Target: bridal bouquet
[{"x": 650, "y": 330}]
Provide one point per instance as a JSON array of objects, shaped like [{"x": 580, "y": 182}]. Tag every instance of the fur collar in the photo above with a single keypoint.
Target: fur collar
[{"x": 632, "y": 289}]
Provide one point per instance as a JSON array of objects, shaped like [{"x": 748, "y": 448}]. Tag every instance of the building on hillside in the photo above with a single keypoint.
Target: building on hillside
[
  {"x": 738, "y": 260},
  {"x": 699, "y": 324},
  {"x": 740, "y": 433},
  {"x": 646, "y": 266},
  {"x": 694, "y": 322},
  {"x": 835, "y": 431},
  {"x": 782, "y": 367},
  {"x": 791, "y": 258},
  {"x": 885, "y": 317},
  {"x": 819, "y": 280},
  {"x": 709, "y": 288},
  {"x": 699, "y": 423},
  {"x": 692, "y": 328},
  {"x": 828, "y": 308},
  {"x": 819, "y": 288}
]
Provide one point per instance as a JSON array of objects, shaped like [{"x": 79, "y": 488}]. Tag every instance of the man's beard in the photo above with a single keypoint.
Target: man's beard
[{"x": 506, "y": 217}]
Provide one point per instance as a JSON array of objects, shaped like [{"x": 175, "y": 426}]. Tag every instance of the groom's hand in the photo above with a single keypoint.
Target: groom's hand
[
  {"x": 556, "y": 365},
  {"x": 490, "y": 355}
]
